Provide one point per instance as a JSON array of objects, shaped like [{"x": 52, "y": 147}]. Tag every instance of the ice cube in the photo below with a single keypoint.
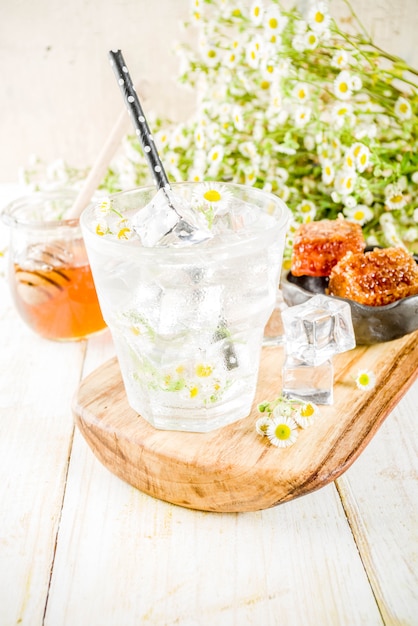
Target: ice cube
[
  {"x": 308, "y": 382},
  {"x": 168, "y": 221},
  {"x": 318, "y": 329}
]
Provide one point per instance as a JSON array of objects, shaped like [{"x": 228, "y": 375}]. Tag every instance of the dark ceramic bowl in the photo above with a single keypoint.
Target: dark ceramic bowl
[{"x": 372, "y": 324}]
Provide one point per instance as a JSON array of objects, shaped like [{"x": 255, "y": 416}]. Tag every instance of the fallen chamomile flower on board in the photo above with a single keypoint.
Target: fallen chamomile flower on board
[
  {"x": 365, "y": 380},
  {"x": 282, "y": 418}
]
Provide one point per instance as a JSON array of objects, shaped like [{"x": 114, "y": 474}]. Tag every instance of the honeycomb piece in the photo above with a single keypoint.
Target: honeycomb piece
[
  {"x": 318, "y": 246},
  {"x": 375, "y": 278}
]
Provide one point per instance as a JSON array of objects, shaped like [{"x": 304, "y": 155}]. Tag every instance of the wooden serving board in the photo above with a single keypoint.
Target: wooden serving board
[{"x": 233, "y": 468}]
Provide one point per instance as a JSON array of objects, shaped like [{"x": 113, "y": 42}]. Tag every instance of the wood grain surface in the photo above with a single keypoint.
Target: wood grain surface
[{"x": 233, "y": 468}]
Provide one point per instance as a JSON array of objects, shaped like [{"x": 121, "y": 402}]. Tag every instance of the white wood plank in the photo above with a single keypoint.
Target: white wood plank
[
  {"x": 380, "y": 494},
  {"x": 37, "y": 381},
  {"x": 125, "y": 558}
]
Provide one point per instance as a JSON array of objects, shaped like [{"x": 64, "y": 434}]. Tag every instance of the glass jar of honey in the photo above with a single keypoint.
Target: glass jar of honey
[{"x": 49, "y": 274}]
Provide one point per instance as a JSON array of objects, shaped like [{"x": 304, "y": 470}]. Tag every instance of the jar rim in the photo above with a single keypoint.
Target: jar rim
[{"x": 15, "y": 214}]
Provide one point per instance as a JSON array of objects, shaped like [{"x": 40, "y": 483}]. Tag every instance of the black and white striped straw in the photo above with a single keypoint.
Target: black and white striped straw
[{"x": 138, "y": 118}]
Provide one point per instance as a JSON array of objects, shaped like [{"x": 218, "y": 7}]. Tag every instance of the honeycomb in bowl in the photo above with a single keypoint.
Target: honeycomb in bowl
[
  {"x": 375, "y": 278},
  {"x": 318, "y": 246}
]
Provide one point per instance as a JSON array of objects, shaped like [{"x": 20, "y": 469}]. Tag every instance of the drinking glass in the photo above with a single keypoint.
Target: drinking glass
[{"x": 188, "y": 322}]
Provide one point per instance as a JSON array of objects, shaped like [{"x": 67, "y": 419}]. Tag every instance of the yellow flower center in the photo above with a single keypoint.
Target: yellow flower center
[
  {"x": 203, "y": 371},
  {"x": 307, "y": 410},
  {"x": 312, "y": 39},
  {"x": 403, "y": 107},
  {"x": 301, "y": 94},
  {"x": 273, "y": 23},
  {"x": 319, "y": 17},
  {"x": 257, "y": 11},
  {"x": 343, "y": 87},
  {"x": 397, "y": 198},
  {"x": 364, "y": 380},
  {"x": 193, "y": 392},
  {"x": 359, "y": 215},
  {"x": 211, "y": 54},
  {"x": 212, "y": 195},
  {"x": 264, "y": 84},
  {"x": 282, "y": 432},
  {"x": 123, "y": 233}
]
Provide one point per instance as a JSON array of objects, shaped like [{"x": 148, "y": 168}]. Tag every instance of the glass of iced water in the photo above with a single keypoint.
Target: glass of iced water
[{"x": 188, "y": 321}]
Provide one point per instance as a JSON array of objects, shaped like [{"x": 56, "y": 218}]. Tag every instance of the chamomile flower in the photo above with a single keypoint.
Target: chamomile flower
[
  {"x": 199, "y": 137},
  {"x": 307, "y": 210},
  {"x": 360, "y": 214},
  {"x": 394, "y": 197},
  {"x": 306, "y": 414},
  {"x": 342, "y": 85},
  {"x": 328, "y": 171},
  {"x": 257, "y": 12},
  {"x": 282, "y": 431},
  {"x": 340, "y": 60},
  {"x": 262, "y": 425},
  {"x": 362, "y": 156},
  {"x": 365, "y": 380},
  {"x": 349, "y": 160},
  {"x": 254, "y": 52},
  {"x": 301, "y": 92},
  {"x": 403, "y": 108},
  {"x": 215, "y": 156},
  {"x": 213, "y": 195},
  {"x": 104, "y": 207},
  {"x": 211, "y": 56},
  {"x": 302, "y": 115},
  {"x": 310, "y": 39},
  {"x": 341, "y": 111},
  {"x": 274, "y": 23},
  {"x": 238, "y": 117},
  {"x": 345, "y": 182},
  {"x": 318, "y": 17}
]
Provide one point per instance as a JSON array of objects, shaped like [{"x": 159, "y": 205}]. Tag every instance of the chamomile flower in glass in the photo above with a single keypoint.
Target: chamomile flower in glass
[
  {"x": 306, "y": 414},
  {"x": 365, "y": 379},
  {"x": 212, "y": 195},
  {"x": 282, "y": 431}
]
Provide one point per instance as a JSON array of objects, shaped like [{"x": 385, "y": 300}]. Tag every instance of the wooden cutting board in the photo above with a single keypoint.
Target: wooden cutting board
[{"x": 233, "y": 468}]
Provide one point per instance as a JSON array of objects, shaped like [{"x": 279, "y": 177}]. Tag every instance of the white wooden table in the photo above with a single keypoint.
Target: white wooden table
[{"x": 79, "y": 547}]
